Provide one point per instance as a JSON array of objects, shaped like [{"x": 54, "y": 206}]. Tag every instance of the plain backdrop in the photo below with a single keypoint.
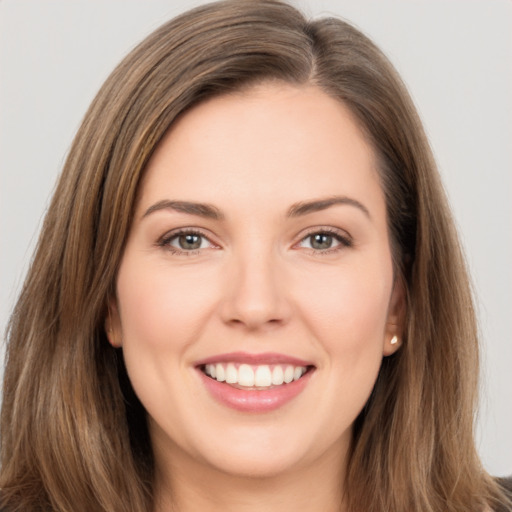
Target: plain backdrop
[{"x": 454, "y": 55}]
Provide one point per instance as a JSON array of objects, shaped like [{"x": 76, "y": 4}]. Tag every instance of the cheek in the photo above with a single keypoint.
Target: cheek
[
  {"x": 347, "y": 311},
  {"x": 160, "y": 307},
  {"x": 346, "y": 308},
  {"x": 162, "y": 311}
]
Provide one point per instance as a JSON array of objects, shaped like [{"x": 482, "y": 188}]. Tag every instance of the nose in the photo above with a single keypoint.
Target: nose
[{"x": 256, "y": 295}]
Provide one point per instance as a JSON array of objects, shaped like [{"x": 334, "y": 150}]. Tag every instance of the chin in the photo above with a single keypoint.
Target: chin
[{"x": 256, "y": 463}]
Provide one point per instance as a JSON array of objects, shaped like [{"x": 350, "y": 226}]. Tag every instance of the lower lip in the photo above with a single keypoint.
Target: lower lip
[{"x": 250, "y": 400}]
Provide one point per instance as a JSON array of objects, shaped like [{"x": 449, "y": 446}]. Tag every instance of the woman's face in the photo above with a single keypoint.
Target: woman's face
[{"x": 255, "y": 297}]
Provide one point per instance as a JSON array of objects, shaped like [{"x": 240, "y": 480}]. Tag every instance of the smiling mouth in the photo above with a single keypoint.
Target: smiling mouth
[{"x": 255, "y": 377}]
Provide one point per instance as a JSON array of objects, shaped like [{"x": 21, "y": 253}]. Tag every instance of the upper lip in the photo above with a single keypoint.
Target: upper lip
[{"x": 254, "y": 359}]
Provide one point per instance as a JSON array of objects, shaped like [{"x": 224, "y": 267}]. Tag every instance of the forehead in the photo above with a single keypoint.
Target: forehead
[{"x": 270, "y": 142}]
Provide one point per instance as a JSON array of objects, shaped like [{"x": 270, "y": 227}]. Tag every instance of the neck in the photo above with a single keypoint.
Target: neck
[{"x": 189, "y": 487}]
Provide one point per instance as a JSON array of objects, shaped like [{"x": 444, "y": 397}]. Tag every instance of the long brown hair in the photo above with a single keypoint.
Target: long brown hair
[{"x": 73, "y": 434}]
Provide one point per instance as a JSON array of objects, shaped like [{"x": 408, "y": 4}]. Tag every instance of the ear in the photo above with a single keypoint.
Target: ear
[
  {"x": 393, "y": 336},
  {"x": 113, "y": 324}
]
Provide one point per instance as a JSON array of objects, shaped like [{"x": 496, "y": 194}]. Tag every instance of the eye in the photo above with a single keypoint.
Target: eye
[
  {"x": 325, "y": 241},
  {"x": 188, "y": 241},
  {"x": 185, "y": 242},
  {"x": 321, "y": 241}
]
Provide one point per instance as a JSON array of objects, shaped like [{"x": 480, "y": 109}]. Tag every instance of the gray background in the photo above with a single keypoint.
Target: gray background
[{"x": 455, "y": 56}]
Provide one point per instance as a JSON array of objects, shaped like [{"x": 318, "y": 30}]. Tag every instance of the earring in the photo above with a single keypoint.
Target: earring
[{"x": 394, "y": 340}]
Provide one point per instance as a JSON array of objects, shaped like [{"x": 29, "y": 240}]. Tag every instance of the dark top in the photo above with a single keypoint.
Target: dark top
[{"x": 506, "y": 484}]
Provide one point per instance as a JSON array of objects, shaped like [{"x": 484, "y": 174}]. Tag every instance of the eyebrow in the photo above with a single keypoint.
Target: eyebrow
[
  {"x": 303, "y": 208},
  {"x": 296, "y": 210},
  {"x": 200, "y": 209}
]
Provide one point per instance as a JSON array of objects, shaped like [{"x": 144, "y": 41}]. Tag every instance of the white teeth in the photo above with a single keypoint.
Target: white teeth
[
  {"x": 263, "y": 376},
  {"x": 231, "y": 374},
  {"x": 288, "y": 374},
  {"x": 220, "y": 374},
  {"x": 245, "y": 376},
  {"x": 259, "y": 376},
  {"x": 297, "y": 373},
  {"x": 277, "y": 376}
]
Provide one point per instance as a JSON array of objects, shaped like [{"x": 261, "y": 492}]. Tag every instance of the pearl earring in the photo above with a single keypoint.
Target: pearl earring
[{"x": 394, "y": 340}]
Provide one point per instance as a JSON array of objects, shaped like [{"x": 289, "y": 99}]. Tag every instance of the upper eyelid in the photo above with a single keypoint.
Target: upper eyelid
[
  {"x": 185, "y": 230},
  {"x": 325, "y": 229},
  {"x": 174, "y": 233},
  {"x": 344, "y": 239}
]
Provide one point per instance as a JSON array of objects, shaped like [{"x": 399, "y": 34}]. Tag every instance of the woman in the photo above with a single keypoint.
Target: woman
[{"x": 248, "y": 287}]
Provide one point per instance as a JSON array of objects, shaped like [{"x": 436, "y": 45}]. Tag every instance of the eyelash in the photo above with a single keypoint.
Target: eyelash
[
  {"x": 166, "y": 240},
  {"x": 345, "y": 241}
]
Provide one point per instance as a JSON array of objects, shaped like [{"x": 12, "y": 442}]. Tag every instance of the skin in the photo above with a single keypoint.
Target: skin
[{"x": 257, "y": 284}]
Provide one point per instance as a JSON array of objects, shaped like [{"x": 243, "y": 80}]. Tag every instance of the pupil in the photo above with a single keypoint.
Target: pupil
[
  {"x": 190, "y": 241},
  {"x": 321, "y": 241}
]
